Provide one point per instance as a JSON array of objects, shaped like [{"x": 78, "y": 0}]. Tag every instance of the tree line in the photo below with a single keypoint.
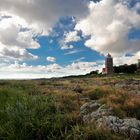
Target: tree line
[{"x": 125, "y": 68}]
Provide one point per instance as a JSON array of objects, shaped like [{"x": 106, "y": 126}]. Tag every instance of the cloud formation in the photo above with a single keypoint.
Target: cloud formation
[
  {"x": 24, "y": 71},
  {"x": 69, "y": 37},
  {"x": 51, "y": 59},
  {"x": 14, "y": 41},
  {"x": 108, "y": 24},
  {"x": 43, "y": 14},
  {"x": 22, "y": 20},
  {"x": 105, "y": 25}
]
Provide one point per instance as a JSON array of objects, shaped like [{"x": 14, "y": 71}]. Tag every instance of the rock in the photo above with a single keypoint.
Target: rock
[
  {"x": 102, "y": 116},
  {"x": 132, "y": 123},
  {"x": 84, "y": 106},
  {"x": 135, "y": 133},
  {"x": 124, "y": 130},
  {"x": 110, "y": 122},
  {"x": 86, "y": 118},
  {"x": 138, "y": 92},
  {"x": 94, "y": 116},
  {"x": 89, "y": 107},
  {"x": 127, "y": 127},
  {"x": 94, "y": 106},
  {"x": 120, "y": 85},
  {"x": 95, "y": 110}
]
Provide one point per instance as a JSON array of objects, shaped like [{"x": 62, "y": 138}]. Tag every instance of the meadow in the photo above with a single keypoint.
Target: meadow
[{"x": 49, "y": 109}]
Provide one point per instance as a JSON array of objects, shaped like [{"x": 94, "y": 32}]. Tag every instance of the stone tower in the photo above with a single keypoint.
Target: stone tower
[{"x": 109, "y": 65}]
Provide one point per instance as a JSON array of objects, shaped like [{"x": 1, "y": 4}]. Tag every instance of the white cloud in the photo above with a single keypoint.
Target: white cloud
[
  {"x": 127, "y": 59},
  {"x": 78, "y": 60},
  {"x": 73, "y": 52},
  {"x": 43, "y": 14},
  {"x": 14, "y": 42},
  {"x": 71, "y": 37},
  {"x": 24, "y": 71},
  {"x": 16, "y": 54},
  {"x": 51, "y": 59},
  {"x": 35, "y": 17},
  {"x": 109, "y": 23},
  {"x": 65, "y": 46}
]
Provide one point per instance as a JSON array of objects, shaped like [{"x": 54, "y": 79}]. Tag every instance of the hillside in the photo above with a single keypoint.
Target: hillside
[{"x": 87, "y": 107}]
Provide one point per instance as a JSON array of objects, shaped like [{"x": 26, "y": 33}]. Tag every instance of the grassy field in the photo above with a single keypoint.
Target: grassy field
[{"x": 48, "y": 108}]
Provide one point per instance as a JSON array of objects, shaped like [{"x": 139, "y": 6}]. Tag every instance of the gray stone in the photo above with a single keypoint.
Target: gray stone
[
  {"x": 86, "y": 118},
  {"x": 94, "y": 106},
  {"x": 89, "y": 107},
  {"x": 132, "y": 123},
  {"x": 102, "y": 116},
  {"x": 134, "y": 133},
  {"x": 84, "y": 106}
]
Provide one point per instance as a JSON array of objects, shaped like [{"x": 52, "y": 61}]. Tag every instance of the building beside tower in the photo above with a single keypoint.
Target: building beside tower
[{"x": 108, "y": 65}]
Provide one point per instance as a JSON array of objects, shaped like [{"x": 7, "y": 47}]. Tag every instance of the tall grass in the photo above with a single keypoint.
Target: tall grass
[{"x": 27, "y": 114}]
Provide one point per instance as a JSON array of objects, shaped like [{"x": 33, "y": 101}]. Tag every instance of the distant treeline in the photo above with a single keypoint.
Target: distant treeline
[
  {"x": 117, "y": 69},
  {"x": 125, "y": 68}
]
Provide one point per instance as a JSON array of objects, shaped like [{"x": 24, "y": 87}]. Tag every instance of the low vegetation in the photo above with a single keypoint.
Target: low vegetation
[{"x": 49, "y": 109}]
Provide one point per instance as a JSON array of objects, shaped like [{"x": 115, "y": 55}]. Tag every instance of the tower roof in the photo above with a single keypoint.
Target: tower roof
[{"x": 109, "y": 55}]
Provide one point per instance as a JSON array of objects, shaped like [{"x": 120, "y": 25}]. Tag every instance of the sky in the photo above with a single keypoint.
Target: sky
[{"x": 56, "y": 38}]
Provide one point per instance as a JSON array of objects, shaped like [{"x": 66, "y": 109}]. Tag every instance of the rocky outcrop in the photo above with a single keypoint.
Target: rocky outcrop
[
  {"x": 128, "y": 127},
  {"x": 93, "y": 111},
  {"x": 103, "y": 116},
  {"x": 131, "y": 85}
]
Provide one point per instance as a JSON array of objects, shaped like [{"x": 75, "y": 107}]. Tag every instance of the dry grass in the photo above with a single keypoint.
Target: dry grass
[{"x": 49, "y": 108}]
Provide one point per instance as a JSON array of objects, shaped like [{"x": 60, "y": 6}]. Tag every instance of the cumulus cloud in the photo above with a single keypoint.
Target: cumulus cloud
[
  {"x": 14, "y": 42},
  {"x": 69, "y": 37},
  {"x": 108, "y": 24},
  {"x": 51, "y": 59},
  {"x": 16, "y": 54},
  {"x": 24, "y": 71},
  {"x": 65, "y": 46},
  {"x": 43, "y": 14},
  {"x": 21, "y": 20},
  {"x": 127, "y": 59},
  {"x": 105, "y": 25}
]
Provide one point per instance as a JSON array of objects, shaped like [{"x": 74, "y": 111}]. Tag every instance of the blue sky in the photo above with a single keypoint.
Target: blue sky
[
  {"x": 50, "y": 47},
  {"x": 55, "y": 38}
]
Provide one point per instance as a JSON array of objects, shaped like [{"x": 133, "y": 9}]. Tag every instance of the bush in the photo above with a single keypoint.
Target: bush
[
  {"x": 24, "y": 116},
  {"x": 97, "y": 94},
  {"x": 34, "y": 117},
  {"x": 29, "y": 118},
  {"x": 132, "y": 106},
  {"x": 90, "y": 132}
]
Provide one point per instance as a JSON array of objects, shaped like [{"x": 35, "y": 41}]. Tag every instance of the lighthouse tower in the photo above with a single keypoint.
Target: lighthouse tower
[{"x": 109, "y": 64}]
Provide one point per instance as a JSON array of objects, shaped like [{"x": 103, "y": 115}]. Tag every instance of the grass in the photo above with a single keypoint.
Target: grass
[
  {"x": 29, "y": 110},
  {"x": 25, "y": 116}
]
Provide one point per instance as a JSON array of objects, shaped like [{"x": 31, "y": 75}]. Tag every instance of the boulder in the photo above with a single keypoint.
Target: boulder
[
  {"x": 87, "y": 108},
  {"x": 103, "y": 116}
]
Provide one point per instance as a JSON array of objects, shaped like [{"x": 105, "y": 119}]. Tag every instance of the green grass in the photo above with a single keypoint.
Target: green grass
[
  {"x": 29, "y": 110},
  {"x": 24, "y": 116}
]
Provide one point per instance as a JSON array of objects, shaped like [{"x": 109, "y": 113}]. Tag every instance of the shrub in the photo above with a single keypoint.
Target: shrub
[
  {"x": 132, "y": 106},
  {"x": 97, "y": 94},
  {"x": 90, "y": 132},
  {"x": 28, "y": 118},
  {"x": 55, "y": 115}
]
